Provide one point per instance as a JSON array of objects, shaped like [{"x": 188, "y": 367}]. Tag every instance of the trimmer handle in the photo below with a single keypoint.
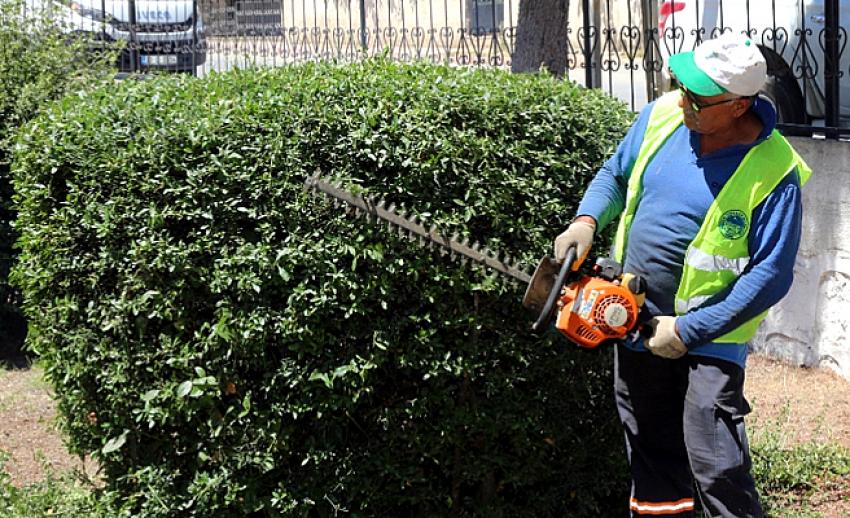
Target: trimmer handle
[
  {"x": 646, "y": 331},
  {"x": 563, "y": 273}
]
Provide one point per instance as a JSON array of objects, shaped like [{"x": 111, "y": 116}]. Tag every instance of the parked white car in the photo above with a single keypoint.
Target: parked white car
[
  {"x": 166, "y": 35},
  {"x": 795, "y": 63}
]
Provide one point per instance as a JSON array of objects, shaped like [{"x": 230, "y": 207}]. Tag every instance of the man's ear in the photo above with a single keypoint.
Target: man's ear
[{"x": 743, "y": 105}]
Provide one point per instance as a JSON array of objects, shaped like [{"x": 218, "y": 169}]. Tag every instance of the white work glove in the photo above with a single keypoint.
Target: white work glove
[
  {"x": 665, "y": 341},
  {"x": 580, "y": 234}
]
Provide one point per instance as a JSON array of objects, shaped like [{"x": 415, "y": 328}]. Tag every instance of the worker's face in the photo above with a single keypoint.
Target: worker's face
[{"x": 713, "y": 114}]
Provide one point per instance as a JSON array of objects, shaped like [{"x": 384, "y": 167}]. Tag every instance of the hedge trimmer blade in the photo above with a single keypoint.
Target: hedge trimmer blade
[{"x": 415, "y": 230}]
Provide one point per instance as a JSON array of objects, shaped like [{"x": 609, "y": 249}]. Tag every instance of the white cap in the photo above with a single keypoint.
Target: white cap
[{"x": 734, "y": 62}]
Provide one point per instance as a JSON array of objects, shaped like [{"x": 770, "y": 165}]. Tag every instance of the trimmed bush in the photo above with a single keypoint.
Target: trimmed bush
[
  {"x": 38, "y": 64},
  {"x": 229, "y": 344}
]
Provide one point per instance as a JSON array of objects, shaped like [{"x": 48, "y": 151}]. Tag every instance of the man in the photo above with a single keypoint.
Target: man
[{"x": 708, "y": 199}]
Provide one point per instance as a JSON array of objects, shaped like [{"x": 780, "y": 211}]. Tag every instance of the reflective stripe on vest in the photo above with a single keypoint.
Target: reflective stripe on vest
[
  {"x": 696, "y": 258},
  {"x": 700, "y": 260},
  {"x": 720, "y": 251}
]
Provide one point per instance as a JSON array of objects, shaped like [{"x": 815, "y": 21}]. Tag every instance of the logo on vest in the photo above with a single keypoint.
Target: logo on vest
[{"x": 733, "y": 224}]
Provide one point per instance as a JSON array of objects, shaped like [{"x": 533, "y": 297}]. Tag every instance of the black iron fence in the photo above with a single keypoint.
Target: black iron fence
[{"x": 620, "y": 46}]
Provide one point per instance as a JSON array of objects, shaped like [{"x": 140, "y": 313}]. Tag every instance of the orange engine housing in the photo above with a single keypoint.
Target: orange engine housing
[{"x": 592, "y": 310}]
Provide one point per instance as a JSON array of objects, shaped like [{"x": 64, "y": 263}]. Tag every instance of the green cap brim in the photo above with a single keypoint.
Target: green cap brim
[{"x": 689, "y": 74}]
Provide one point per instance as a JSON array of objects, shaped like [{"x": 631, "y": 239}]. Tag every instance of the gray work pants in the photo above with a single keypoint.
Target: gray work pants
[{"x": 684, "y": 426}]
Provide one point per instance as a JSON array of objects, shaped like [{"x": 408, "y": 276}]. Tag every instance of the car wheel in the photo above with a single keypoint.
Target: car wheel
[
  {"x": 786, "y": 98},
  {"x": 782, "y": 89}
]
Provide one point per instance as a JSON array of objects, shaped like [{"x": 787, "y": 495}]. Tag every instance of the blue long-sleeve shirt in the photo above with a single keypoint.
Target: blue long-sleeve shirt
[{"x": 679, "y": 185}]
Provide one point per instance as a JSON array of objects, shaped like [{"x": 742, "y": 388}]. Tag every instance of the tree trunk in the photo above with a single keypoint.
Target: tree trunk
[{"x": 541, "y": 36}]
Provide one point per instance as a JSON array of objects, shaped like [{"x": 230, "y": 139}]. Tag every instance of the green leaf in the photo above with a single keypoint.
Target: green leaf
[
  {"x": 246, "y": 406},
  {"x": 184, "y": 389},
  {"x": 221, "y": 329},
  {"x": 322, "y": 377},
  {"x": 115, "y": 443}
]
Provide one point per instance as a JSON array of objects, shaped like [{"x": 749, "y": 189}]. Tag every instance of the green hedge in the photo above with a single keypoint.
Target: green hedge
[
  {"x": 231, "y": 344},
  {"x": 38, "y": 64}
]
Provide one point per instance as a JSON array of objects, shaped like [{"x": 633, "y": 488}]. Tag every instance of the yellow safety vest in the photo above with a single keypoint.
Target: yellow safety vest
[{"x": 719, "y": 252}]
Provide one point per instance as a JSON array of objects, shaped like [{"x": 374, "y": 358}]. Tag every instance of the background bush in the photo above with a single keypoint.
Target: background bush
[
  {"x": 38, "y": 63},
  {"x": 230, "y": 344}
]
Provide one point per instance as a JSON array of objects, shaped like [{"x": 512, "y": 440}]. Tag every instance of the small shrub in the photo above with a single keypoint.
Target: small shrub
[
  {"x": 788, "y": 475},
  {"x": 57, "y": 495},
  {"x": 227, "y": 344}
]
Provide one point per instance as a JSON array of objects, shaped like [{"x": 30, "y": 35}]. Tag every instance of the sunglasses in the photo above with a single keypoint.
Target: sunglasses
[{"x": 696, "y": 104}]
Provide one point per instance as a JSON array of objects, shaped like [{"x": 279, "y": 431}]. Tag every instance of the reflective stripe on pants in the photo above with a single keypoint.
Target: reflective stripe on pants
[{"x": 661, "y": 508}]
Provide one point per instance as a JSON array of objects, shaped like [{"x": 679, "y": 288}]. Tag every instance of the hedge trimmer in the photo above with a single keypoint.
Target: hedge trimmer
[{"x": 588, "y": 309}]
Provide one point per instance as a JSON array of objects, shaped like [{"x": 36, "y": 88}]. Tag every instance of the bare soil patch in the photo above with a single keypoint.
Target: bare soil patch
[
  {"x": 811, "y": 404},
  {"x": 27, "y": 429}
]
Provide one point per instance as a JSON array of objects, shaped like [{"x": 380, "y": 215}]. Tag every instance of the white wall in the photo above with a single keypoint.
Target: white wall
[{"x": 811, "y": 325}]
